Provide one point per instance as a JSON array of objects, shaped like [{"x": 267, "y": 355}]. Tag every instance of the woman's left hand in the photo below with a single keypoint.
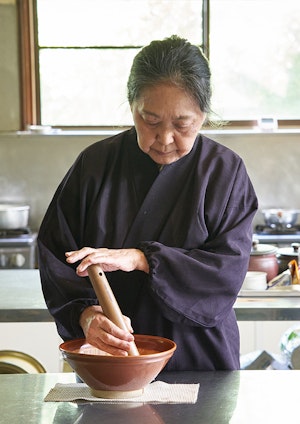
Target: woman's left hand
[{"x": 108, "y": 259}]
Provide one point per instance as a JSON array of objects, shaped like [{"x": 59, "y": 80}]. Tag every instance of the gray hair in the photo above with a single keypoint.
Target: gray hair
[{"x": 173, "y": 60}]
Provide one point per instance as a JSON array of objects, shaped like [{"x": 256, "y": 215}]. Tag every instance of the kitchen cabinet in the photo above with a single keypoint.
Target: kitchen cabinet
[
  {"x": 262, "y": 335},
  {"x": 39, "y": 340},
  {"x": 25, "y": 323},
  {"x": 263, "y": 320}
]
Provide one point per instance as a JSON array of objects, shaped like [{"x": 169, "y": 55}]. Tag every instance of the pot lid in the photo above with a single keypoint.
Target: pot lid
[
  {"x": 277, "y": 211},
  {"x": 287, "y": 251},
  {"x": 9, "y": 206},
  {"x": 263, "y": 249}
]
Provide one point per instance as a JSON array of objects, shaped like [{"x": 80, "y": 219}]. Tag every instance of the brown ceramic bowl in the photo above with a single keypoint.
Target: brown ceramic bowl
[{"x": 118, "y": 376}]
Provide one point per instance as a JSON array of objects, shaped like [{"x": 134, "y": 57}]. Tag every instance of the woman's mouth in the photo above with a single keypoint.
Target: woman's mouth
[{"x": 160, "y": 153}]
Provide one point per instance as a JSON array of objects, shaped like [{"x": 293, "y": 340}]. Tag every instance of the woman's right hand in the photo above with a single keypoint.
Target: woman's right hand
[{"x": 104, "y": 334}]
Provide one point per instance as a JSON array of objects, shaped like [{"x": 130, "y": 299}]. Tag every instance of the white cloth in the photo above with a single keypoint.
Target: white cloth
[{"x": 156, "y": 392}]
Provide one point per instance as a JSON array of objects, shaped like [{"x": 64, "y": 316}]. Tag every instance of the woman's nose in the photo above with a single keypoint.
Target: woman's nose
[{"x": 165, "y": 136}]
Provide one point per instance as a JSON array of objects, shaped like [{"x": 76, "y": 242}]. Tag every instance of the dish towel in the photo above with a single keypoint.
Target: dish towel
[{"x": 156, "y": 392}]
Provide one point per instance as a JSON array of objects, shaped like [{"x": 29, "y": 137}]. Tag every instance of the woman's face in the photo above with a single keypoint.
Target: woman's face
[{"x": 167, "y": 121}]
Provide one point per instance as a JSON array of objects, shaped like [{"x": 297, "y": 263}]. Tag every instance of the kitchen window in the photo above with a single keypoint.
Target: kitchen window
[{"x": 76, "y": 75}]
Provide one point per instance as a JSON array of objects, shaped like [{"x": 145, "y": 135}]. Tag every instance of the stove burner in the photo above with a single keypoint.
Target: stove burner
[
  {"x": 277, "y": 230},
  {"x": 14, "y": 233},
  {"x": 18, "y": 249}
]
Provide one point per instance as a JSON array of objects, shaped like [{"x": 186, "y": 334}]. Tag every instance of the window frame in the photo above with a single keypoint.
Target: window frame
[
  {"x": 29, "y": 72},
  {"x": 28, "y": 54}
]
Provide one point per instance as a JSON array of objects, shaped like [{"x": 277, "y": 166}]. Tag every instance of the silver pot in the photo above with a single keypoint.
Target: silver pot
[
  {"x": 280, "y": 217},
  {"x": 13, "y": 216}
]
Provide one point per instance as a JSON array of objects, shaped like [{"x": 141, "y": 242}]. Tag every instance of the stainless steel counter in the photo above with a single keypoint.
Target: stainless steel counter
[
  {"x": 236, "y": 397},
  {"x": 21, "y": 300},
  {"x": 21, "y": 297},
  {"x": 267, "y": 309}
]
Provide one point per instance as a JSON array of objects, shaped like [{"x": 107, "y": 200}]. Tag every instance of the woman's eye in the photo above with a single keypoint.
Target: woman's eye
[
  {"x": 151, "y": 123},
  {"x": 182, "y": 127}
]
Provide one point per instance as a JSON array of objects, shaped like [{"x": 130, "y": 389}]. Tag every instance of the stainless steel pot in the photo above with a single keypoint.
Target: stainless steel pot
[
  {"x": 280, "y": 217},
  {"x": 13, "y": 216}
]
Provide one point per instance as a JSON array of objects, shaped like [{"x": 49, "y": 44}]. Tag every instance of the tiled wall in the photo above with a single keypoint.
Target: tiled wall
[{"x": 31, "y": 166}]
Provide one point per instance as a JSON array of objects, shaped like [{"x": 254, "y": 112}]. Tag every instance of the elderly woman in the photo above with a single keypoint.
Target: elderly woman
[{"x": 166, "y": 213}]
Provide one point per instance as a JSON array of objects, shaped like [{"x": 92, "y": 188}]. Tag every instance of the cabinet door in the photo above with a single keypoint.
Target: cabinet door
[
  {"x": 262, "y": 335},
  {"x": 39, "y": 340}
]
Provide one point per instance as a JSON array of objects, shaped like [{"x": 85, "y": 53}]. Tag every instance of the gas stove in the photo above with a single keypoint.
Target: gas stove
[
  {"x": 280, "y": 235},
  {"x": 17, "y": 249}
]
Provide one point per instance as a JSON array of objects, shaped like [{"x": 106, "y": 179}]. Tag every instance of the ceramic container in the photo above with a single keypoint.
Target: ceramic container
[
  {"x": 287, "y": 254},
  {"x": 118, "y": 376},
  {"x": 263, "y": 258},
  {"x": 255, "y": 280}
]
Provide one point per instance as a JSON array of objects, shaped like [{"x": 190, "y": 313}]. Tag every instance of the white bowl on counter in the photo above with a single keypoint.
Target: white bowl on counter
[{"x": 255, "y": 280}]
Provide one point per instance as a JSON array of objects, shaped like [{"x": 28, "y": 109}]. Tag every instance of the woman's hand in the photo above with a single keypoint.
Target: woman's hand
[
  {"x": 108, "y": 259},
  {"x": 104, "y": 334},
  {"x": 98, "y": 329}
]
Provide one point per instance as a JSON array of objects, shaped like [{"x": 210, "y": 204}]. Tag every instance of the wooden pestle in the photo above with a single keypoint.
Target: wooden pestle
[{"x": 108, "y": 301}]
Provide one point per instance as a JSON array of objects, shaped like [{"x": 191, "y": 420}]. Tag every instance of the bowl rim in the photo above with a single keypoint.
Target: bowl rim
[{"x": 82, "y": 340}]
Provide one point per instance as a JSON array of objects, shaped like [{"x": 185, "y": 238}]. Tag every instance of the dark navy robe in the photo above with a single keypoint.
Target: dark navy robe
[{"x": 192, "y": 220}]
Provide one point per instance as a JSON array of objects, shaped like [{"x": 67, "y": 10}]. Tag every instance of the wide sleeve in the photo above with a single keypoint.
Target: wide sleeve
[
  {"x": 65, "y": 293},
  {"x": 78, "y": 215},
  {"x": 199, "y": 286}
]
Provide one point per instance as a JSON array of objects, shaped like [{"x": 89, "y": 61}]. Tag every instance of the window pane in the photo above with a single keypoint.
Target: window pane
[
  {"x": 88, "y": 86},
  {"x": 116, "y": 22},
  {"x": 85, "y": 87},
  {"x": 255, "y": 60}
]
